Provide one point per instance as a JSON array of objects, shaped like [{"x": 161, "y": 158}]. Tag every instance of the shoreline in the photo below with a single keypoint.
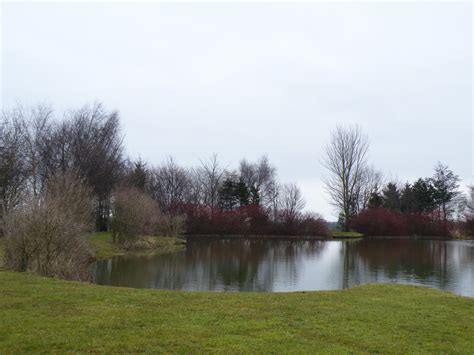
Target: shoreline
[
  {"x": 306, "y": 238},
  {"x": 119, "y": 319},
  {"x": 253, "y": 236}
]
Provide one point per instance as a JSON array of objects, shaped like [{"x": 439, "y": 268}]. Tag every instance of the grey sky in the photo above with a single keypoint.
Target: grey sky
[{"x": 246, "y": 79}]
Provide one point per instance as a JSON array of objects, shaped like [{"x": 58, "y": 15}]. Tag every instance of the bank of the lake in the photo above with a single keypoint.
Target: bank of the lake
[
  {"x": 45, "y": 315},
  {"x": 104, "y": 248},
  {"x": 255, "y": 237}
]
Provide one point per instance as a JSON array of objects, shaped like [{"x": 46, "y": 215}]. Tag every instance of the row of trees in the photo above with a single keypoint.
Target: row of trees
[
  {"x": 438, "y": 193},
  {"x": 36, "y": 148},
  {"x": 217, "y": 200},
  {"x": 371, "y": 206},
  {"x": 62, "y": 178}
]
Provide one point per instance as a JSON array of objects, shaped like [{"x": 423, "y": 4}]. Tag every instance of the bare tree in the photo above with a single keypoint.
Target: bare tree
[
  {"x": 36, "y": 127},
  {"x": 88, "y": 142},
  {"x": 260, "y": 179},
  {"x": 292, "y": 203},
  {"x": 273, "y": 195},
  {"x": 470, "y": 201},
  {"x": 168, "y": 185},
  {"x": 346, "y": 162},
  {"x": 13, "y": 170},
  {"x": 210, "y": 175},
  {"x": 371, "y": 181},
  {"x": 195, "y": 189}
]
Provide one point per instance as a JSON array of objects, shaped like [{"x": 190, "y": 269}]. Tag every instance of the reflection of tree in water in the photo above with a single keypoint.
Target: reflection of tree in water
[
  {"x": 213, "y": 264},
  {"x": 405, "y": 259},
  {"x": 248, "y": 264},
  {"x": 140, "y": 271}
]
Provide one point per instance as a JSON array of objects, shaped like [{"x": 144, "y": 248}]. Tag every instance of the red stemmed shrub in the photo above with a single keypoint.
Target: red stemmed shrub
[
  {"x": 469, "y": 226},
  {"x": 384, "y": 222},
  {"x": 379, "y": 222},
  {"x": 249, "y": 220}
]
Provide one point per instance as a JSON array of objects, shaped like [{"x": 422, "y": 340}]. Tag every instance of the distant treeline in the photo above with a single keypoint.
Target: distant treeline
[
  {"x": 37, "y": 147},
  {"x": 431, "y": 206},
  {"x": 88, "y": 143}
]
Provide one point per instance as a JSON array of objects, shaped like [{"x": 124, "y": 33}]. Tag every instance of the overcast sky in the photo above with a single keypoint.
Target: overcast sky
[{"x": 244, "y": 80}]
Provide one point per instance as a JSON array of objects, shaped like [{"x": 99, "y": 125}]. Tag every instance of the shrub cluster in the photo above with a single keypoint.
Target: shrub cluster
[
  {"x": 136, "y": 214},
  {"x": 469, "y": 226},
  {"x": 47, "y": 235},
  {"x": 384, "y": 222},
  {"x": 249, "y": 220}
]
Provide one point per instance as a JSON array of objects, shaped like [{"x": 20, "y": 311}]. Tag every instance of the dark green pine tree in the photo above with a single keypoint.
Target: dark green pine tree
[
  {"x": 227, "y": 195},
  {"x": 341, "y": 222},
  {"x": 375, "y": 200},
  {"x": 139, "y": 175},
  {"x": 407, "y": 199},
  {"x": 391, "y": 197},
  {"x": 242, "y": 193},
  {"x": 424, "y": 195}
]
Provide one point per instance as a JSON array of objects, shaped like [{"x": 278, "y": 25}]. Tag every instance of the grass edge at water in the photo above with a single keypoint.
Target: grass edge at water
[
  {"x": 104, "y": 248},
  {"x": 41, "y": 315}
]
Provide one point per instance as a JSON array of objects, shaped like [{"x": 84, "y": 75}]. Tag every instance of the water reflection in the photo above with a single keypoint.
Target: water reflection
[{"x": 272, "y": 265}]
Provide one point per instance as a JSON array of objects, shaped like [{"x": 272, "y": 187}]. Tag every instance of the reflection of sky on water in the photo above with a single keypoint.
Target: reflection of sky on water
[{"x": 253, "y": 265}]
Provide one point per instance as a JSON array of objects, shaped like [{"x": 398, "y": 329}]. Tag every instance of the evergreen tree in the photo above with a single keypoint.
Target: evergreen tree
[
  {"x": 445, "y": 184},
  {"x": 423, "y": 192},
  {"x": 407, "y": 199},
  {"x": 375, "y": 200},
  {"x": 391, "y": 197},
  {"x": 341, "y": 222},
  {"x": 227, "y": 195},
  {"x": 242, "y": 193},
  {"x": 138, "y": 176}
]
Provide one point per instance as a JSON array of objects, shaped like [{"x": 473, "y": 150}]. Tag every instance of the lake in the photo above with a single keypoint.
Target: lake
[{"x": 278, "y": 265}]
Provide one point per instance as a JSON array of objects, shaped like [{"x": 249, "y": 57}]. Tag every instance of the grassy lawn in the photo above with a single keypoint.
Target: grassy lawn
[
  {"x": 47, "y": 315},
  {"x": 337, "y": 234},
  {"x": 104, "y": 248},
  {"x": 2, "y": 252}
]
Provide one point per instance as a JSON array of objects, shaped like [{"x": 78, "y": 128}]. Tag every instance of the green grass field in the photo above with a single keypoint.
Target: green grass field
[
  {"x": 342, "y": 235},
  {"x": 2, "y": 252},
  {"x": 43, "y": 315},
  {"x": 104, "y": 248}
]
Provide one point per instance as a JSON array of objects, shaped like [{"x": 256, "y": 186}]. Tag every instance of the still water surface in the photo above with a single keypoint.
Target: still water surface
[{"x": 276, "y": 265}]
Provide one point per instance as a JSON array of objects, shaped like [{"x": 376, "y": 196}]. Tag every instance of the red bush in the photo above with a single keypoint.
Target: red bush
[
  {"x": 247, "y": 220},
  {"x": 312, "y": 225},
  {"x": 379, "y": 222},
  {"x": 384, "y": 222},
  {"x": 469, "y": 226}
]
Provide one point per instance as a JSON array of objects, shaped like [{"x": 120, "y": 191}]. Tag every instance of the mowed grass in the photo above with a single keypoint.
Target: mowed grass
[
  {"x": 2, "y": 251},
  {"x": 47, "y": 315},
  {"x": 337, "y": 234},
  {"x": 104, "y": 248}
]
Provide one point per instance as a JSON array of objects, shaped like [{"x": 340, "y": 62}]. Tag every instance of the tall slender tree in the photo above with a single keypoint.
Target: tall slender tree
[
  {"x": 446, "y": 185},
  {"x": 346, "y": 161}
]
